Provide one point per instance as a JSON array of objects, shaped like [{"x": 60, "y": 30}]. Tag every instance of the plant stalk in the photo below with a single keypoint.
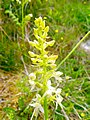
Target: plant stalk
[
  {"x": 22, "y": 20},
  {"x": 45, "y": 108},
  {"x": 72, "y": 50}
]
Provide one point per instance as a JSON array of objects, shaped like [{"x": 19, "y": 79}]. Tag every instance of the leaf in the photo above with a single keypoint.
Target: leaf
[
  {"x": 10, "y": 112},
  {"x": 7, "y": 11},
  {"x": 21, "y": 103},
  {"x": 8, "y": 109}
]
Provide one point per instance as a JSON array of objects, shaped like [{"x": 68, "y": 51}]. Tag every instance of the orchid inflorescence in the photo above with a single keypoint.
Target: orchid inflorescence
[{"x": 45, "y": 80}]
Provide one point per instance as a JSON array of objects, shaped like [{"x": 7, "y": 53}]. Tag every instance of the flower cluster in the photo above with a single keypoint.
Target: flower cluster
[{"x": 42, "y": 80}]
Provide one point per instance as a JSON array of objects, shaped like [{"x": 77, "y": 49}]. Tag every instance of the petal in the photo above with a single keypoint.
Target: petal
[
  {"x": 32, "y": 76},
  {"x": 58, "y": 90},
  {"x": 41, "y": 109},
  {"x": 32, "y": 54},
  {"x": 58, "y": 73},
  {"x": 59, "y": 99}
]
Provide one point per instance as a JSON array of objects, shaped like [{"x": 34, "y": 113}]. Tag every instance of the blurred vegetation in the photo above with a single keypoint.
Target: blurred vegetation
[{"x": 69, "y": 20}]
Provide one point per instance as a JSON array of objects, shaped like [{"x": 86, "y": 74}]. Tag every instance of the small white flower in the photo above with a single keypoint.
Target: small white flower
[
  {"x": 38, "y": 97},
  {"x": 32, "y": 85},
  {"x": 32, "y": 76},
  {"x": 67, "y": 77},
  {"x": 57, "y": 75},
  {"x": 31, "y": 82},
  {"x": 48, "y": 83},
  {"x": 50, "y": 89},
  {"x": 58, "y": 78},
  {"x": 59, "y": 98},
  {"x": 58, "y": 91},
  {"x": 37, "y": 107}
]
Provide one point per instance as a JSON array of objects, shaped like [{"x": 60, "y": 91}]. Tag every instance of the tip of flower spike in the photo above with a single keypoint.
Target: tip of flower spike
[{"x": 40, "y": 23}]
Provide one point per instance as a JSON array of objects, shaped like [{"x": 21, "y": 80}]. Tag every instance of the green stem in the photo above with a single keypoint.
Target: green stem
[
  {"x": 22, "y": 20},
  {"x": 45, "y": 86},
  {"x": 45, "y": 108},
  {"x": 72, "y": 50}
]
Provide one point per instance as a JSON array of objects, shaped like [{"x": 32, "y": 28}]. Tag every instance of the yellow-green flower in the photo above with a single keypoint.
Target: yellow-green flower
[
  {"x": 82, "y": 114},
  {"x": 67, "y": 77},
  {"x": 61, "y": 38},
  {"x": 56, "y": 31},
  {"x": 40, "y": 23},
  {"x": 45, "y": 18},
  {"x": 67, "y": 94}
]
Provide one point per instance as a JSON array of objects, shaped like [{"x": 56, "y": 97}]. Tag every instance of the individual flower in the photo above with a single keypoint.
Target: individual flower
[
  {"x": 53, "y": 94},
  {"x": 82, "y": 114},
  {"x": 37, "y": 108},
  {"x": 67, "y": 94},
  {"x": 67, "y": 77},
  {"x": 59, "y": 98},
  {"x": 52, "y": 59},
  {"x": 50, "y": 88},
  {"x": 56, "y": 31},
  {"x": 32, "y": 85},
  {"x": 45, "y": 18},
  {"x": 57, "y": 75},
  {"x": 62, "y": 38},
  {"x": 36, "y": 103},
  {"x": 27, "y": 18},
  {"x": 32, "y": 76},
  {"x": 32, "y": 54}
]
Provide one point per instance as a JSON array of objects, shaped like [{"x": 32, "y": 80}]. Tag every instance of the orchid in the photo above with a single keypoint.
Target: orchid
[{"x": 41, "y": 80}]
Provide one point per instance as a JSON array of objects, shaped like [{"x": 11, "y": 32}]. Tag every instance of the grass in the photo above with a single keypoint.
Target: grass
[
  {"x": 75, "y": 88},
  {"x": 68, "y": 20}
]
